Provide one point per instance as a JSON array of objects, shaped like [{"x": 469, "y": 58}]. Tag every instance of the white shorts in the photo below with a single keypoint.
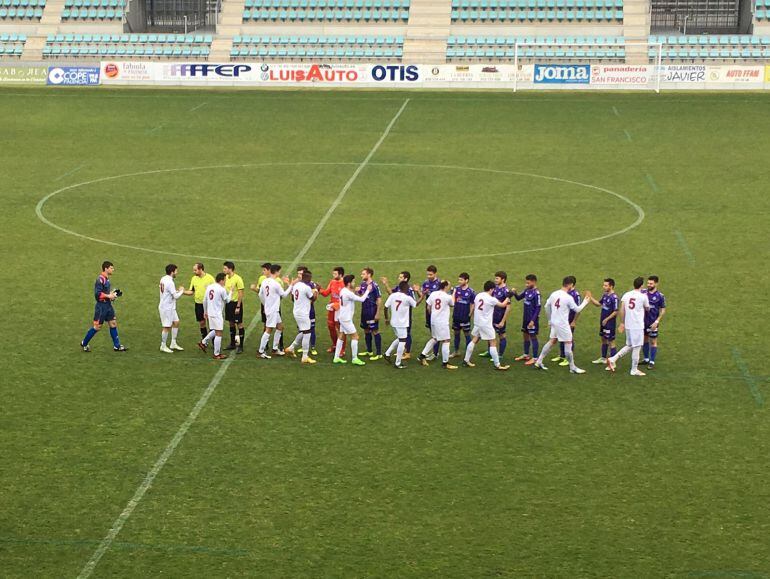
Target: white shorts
[
  {"x": 483, "y": 332},
  {"x": 348, "y": 327},
  {"x": 273, "y": 320},
  {"x": 168, "y": 317},
  {"x": 216, "y": 323},
  {"x": 336, "y": 315},
  {"x": 634, "y": 338},
  {"x": 440, "y": 332},
  {"x": 303, "y": 324},
  {"x": 561, "y": 333},
  {"x": 400, "y": 333}
]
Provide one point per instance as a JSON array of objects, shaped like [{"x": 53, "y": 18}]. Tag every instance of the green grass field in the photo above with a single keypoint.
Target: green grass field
[{"x": 329, "y": 471}]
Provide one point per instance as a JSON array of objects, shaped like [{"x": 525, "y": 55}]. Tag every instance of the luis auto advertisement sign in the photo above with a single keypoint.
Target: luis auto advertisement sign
[
  {"x": 73, "y": 75},
  {"x": 562, "y": 73}
]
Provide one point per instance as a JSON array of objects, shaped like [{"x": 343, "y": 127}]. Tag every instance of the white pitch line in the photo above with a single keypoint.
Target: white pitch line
[
  {"x": 68, "y": 173},
  {"x": 628, "y": 135},
  {"x": 118, "y": 524},
  {"x": 200, "y": 106},
  {"x": 616, "y": 111}
]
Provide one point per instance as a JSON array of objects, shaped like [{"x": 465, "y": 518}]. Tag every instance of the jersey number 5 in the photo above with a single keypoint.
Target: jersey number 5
[{"x": 631, "y": 303}]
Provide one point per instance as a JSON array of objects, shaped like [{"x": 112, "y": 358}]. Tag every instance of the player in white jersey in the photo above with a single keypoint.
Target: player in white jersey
[
  {"x": 440, "y": 303},
  {"x": 348, "y": 299},
  {"x": 271, "y": 293},
  {"x": 558, "y": 307},
  {"x": 169, "y": 320},
  {"x": 483, "y": 325},
  {"x": 400, "y": 304},
  {"x": 633, "y": 306},
  {"x": 213, "y": 306},
  {"x": 304, "y": 295}
]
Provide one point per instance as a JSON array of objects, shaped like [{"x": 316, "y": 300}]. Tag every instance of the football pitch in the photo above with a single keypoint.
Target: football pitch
[{"x": 148, "y": 464}]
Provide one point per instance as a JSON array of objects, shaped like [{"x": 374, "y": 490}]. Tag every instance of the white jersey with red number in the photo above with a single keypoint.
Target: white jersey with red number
[
  {"x": 348, "y": 301},
  {"x": 484, "y": 309},
  {"x": 559, "y": 305},
  {"x": 303, "y": 299},
  {"x": 271, "y": 292},
  {"x": 215, "y": 300},
  {"x": 440, "y": 304},
  {"x": 635, "y": 303},
  {"x": 168, "y": 293},
  {"x": 400, "y": 305}
]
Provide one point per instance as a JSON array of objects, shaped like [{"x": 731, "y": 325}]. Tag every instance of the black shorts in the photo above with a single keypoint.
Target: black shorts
[
  {"x": 262, "y": 310},
  {"x": 199, "y": 312},
  {"x": 103, "y": 312},
  {"x": 230, "y": 314}
]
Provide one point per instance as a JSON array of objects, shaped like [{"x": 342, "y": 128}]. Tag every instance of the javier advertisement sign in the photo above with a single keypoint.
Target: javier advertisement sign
[
  {"x": 621, "y": 75},
  {"x": 121, "y": 72},
  {"x": 562, "y": 73},
  {"x": 206, "y": 73},
  {"x": 73, "y": 75},
  {"x": 301, "y": 73},
  {"x": 690, "y": 73},
  {"x": 23, "y": 74}
]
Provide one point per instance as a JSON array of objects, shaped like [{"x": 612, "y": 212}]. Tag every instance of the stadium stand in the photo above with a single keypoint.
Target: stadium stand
[
  {"x": 558, "y": 48},
  {"x": 543, "y": 11},
  {"x": 21, "y": 10},
  {"x": 12, "y": 45},
  {"x": 146, "y": 46},
  {"x": 338, "y": 48},
  {"x": 762, "y": 11},
  {"x": 712, "y": 48},
  {"x": 372, "y": 11},
  {"x": 93, "y": 10}
]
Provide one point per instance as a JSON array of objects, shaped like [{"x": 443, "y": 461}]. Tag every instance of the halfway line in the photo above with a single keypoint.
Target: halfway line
[{"x": 105, "y": 544}]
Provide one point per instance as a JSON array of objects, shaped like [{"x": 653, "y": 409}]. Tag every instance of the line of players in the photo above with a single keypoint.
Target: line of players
[{"x": 640, "y": 312}]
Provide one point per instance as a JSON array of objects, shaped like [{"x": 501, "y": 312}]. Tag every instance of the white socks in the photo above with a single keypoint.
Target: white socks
[
  {"x": 174, "y": 332},
  {"x": 209, "y": 337},
  {"x": 400, "y": 352},
  {"x": 622, "y": 352},
  {"x": 393, "y": 346},
  {"x": 493, "y": 355},
  {"x": 469, "y": 351},
  {"x": 635, "y": 359},
  {"x": 568, "y": 354},
  {"x": 428, "y": 347},
  {"x": 354, "y": 349},
  {"x": 163, "y": 337},
  {"x": 305, "y": 346},
  {"x": 338, "y": 348},
  {"x": 445, "y": 352},
  {"x": 544, "y": 352},
  {"x": 263, "y": 342},
  {"x": 217, "y": 345},
  {"x": 276, "y": 338},
  {"x": 297, "y": 341}
]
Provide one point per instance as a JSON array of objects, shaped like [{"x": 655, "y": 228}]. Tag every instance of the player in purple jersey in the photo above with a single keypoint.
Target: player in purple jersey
[
  {"x": 403, "y": 276},
  {"x": 652, "y": 320},
  {"x": 500, "y": 317},
  {"x": 609, "y": 303},
  {"x": 461, "y": 316},
  {"x": 313, "y": 285},
  {"x": 431, "y": 284},
  {"x": 562, "y": 358},
  {"x": 370, "y": 314},
  {"x": 530, "y": 321}
]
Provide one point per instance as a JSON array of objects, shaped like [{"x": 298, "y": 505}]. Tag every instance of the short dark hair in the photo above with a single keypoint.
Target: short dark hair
[
  {"x": 106, "y": 264},
  {"x": 307, "y": 275},
  {"x": 488, "y": 285},
  {"x": 501, "y": 274},
  {"x": 229, "y": 265},
  {"x": 369, "y": 270},
  {"x": 348, "y": 278},
  {"x": 266, "y": 265},
  {"x": 275, "y": 268},
  {"x": 431, "y": 268},
  {"x": 220, "y": 276},
  {"x": 464, "y": 275},
  {"x": 403, "y": 287},
  {"x": 301, "y": 268},
  {"x": 653, "y": 278},
  {"x": 170, "y": 268},
  {"x": 570, "y": 279},
  {"x": 444, "y": 284},
  {"x": 406, "y": 275},
  {"x": 638, "y": 282},
  {"x": 531, "y": 277},
  {"x": 339, "y": 269},
  {"x": 610, "y": 281},
  {"x": 199, "y": 265}
]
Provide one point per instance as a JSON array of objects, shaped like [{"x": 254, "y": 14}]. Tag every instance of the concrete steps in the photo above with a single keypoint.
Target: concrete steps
[
  {"x": 427, "y": 32},
  {"x": 229, "y": 26}
]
